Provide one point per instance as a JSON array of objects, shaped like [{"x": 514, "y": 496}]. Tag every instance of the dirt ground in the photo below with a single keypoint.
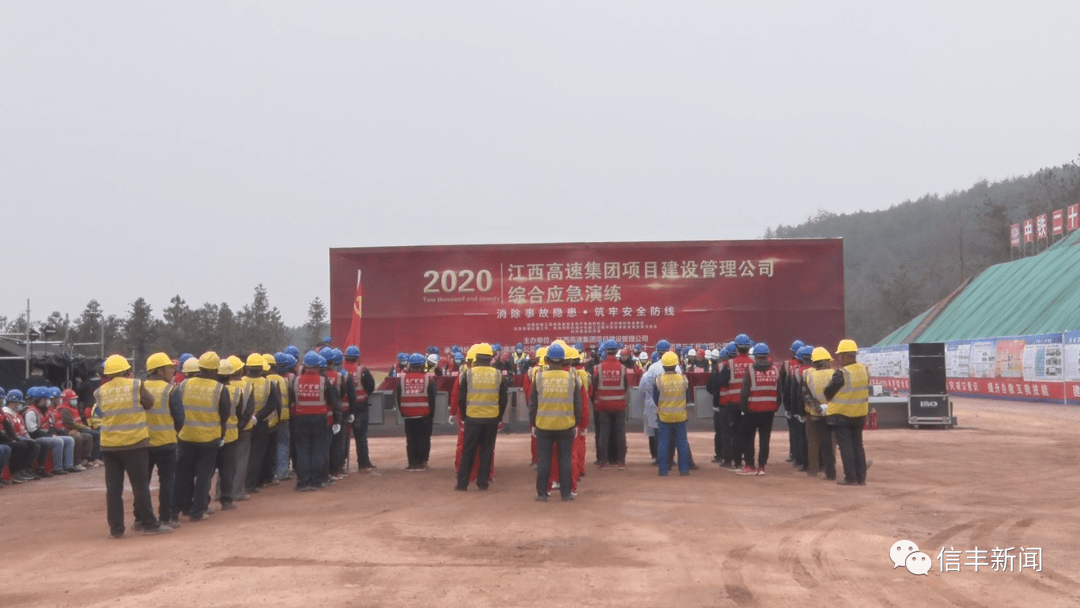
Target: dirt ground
[{"x": 1007, "y": 478}]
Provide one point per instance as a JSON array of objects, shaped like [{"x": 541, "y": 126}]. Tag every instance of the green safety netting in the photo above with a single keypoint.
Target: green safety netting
[{"x": 1034, "y": 295}]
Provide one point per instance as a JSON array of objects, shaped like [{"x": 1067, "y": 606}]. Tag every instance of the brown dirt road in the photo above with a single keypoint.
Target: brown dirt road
[{"x": 1008, "y": 479}]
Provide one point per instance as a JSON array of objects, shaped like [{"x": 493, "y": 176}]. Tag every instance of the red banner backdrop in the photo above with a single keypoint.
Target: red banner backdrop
[
  {"x": 685, "y": 292},
  {"x": 1058, "y": 220}
]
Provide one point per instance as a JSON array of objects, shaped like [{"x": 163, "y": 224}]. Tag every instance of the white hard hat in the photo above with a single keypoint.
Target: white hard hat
[
  {"x": 643, "y": 356},
  {"x": 433, "y": 358}
]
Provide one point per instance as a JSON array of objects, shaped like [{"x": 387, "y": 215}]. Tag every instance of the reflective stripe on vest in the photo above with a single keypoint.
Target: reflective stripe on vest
[
  {"x": 671, "y": 406},
  {"x": 611, "y": 386},
  {"x": 555, "y": 400},
  {"x": 354, "y": 370},
  {"x": 202, "y": 421},
  {"x": 259, "y": 389},
  {"x": 56, "y": 421},
  {"x": 310, "y": 392},
  {"x": 738, "y": 367},
  {"x": 337, "y": 380},
  {"x": 274, "y": 380},
  {"x": 763, "y": 389},
  {"x": 159, "y": 418},
  {"x": 853, "y": 399},
  {"x": 123, "y": 419},
  {"x": 482, "y": 398},
  {"x": 238, "y": 389},
  {"x": 283, "y": 395},
  {"x": 17, "y": 425},
  {"x": 414, "y": 400}
]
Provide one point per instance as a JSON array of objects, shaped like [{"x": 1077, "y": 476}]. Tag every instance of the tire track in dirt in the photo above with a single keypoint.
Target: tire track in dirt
[
  {"x": 1015, "y": 534},
  {"x": 731, "y": 573}
]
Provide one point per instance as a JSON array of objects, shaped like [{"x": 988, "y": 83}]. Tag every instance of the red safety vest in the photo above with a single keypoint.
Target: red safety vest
[
  {"x": 763, "y": 389},
  {"x": 56, "y": 420},
  {"x": 611, "y": 386},
  {"x": 17, "y": 424},
  {"x": 354, "y": 369},
  {"x": 738, "y": 367},
  {"x": 414, "y": 399},
  {"x": 310, "y": 389},
  {"x": 70, "y": 409}
]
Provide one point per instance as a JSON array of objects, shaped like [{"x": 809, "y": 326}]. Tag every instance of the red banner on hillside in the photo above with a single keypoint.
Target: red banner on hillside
[
  {"x": 1014, "y": 235},
  {"x": 1073, "y": 217},
  {"x": 1058, "y": 220},
  {"x": 1041, "y": 231},
  {"x": 1029, "y": 231},
  {"x": 685, "y": 292}
]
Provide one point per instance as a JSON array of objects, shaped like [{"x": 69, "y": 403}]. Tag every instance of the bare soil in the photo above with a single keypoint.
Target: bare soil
[{"x": 1007, "y": 478}]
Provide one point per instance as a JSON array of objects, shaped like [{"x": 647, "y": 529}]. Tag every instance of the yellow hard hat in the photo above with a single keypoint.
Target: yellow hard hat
[
  {"x": 225, "y": 367},
  {"x": 670, "y": 359},
  {"x": 235, "y": 363},
  {"x": 209, "y": 360},
  {"x": 561, "y": 343},
  {"x": 820, "y": 354},
  {"x": 482, "y": 349},
  {"x": 191, "y": 366},
  {"x": 255, "y": 360},
  {"x": 847, "y": 346},
  {"x": 541, "y": 353},
  {"x": 470, "y": 355},
  {"x": 571, "y": 353},
  {"x": 157, "y": 360},
  {"x": 268, "y": 361},
  {"x": 116, "y": 364}
]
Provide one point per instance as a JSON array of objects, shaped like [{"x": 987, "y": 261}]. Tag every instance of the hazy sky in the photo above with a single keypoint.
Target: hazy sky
[{"x": 200, "y": 148}]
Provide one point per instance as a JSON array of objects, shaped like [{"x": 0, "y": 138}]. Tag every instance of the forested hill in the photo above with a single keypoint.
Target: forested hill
[{"x": 902, "y": 260}]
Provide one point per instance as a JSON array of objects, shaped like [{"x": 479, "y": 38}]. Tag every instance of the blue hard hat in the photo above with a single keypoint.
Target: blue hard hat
[
  {"x": 184, "y": 357},
  {"x": 292, "y": 350},
  {"x": 15, "y": 396},
  {"x": 519, "y": 346},
  {"x": 611, "y": 345},
  {"x": 805, "y": 351},
  {"x": 290, "y": 361},
  {"x": 496, "y": 347},
  {"x": 742, "y": 340},
  {"x": 416, "y": 359},
  {"x": 556, "y": 352},
  {"x": 637, "y": 346},
  {"x": 31, "y": 393},
  {"x": 54, "y": 392},
  {"x": 279, "y": 359},
  {"x": 455, "y": 348},
  {"x": 403, "y": 357},
  {"x": 458, "y": 356},
  {"x": 663, "y": 346},
  {"x": 352, "y": 351},
  {"x": 655, "y": 357},
  {"x": 702, "y": 346},
  {"x": 336, "y": 355},
  {"x": 433, "y": 350},
  {"x": 313, "y": 359},
  {"x": 328, "y": 340},
  {"x": 796, "y": 345},
  {"x": 761, "y": 349}
]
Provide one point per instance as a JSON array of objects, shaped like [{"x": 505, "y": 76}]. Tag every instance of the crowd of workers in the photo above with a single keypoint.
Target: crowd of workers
[{"x": 244, "y": 420}]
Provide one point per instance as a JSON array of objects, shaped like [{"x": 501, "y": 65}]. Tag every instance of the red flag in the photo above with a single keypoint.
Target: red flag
[
  {"x": 354, "y": 326},
  {"x": 1029, "y": 231},
  {"x": 1014, "y": 235},
  {"x": 1074, "y": 217},
  {"x": 1059, "y": 222}
]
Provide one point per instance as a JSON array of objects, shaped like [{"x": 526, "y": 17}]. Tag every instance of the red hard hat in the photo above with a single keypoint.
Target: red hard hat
[{"x": 68, "y": 394}]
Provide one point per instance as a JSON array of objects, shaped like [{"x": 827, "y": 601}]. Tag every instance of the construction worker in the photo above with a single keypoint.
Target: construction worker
[
  {"x": 848, "y": 394},
  {"x": 788, "y": 371},
  {"x": 646, "y": 387},
  {"x": 555, "y": 407},
  {"x": 339, "y": 442},
  {"x": 573, "y": 363},
  {"x": 206, "y": 408},
  {"x": 359, "y": 410},
  {"x": 24, "y": 450},
  {"x": 313, "y": 395},
  {"x": 520, "y": 358},
  {"x": 36, "y": 419},
  {"x": 125, "y": 445},
  {"x": 58, "y": 428},
  {"x": 69, "y": 411},
  {"x": 266, "y": 403},
  {"x": 609, "y": 398},
  {"x": 230, "y": 374},
  {"x": 793, "y": 402},
  {"x": 730, "y": 385},
  {"x": 759, "y": 399},
  {"x": 286, "y": 371},
  {"x": 163, "y": 420},
  {"x": 669, "y": 393},
  {"x": 482, "y": 397},
  {"x": 820, "y": 452},
  {"x": 458, "y": 421},
  {"x": 416, "y": 401},
  {"x": 719, "y": 430}
]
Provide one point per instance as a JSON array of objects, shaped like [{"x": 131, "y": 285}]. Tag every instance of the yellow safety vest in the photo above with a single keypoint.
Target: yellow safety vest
[
  {"x": 202, "y": 422},
  {"x": 237, "y": 388},
  {"x": 482, "y": 398},
  {"x": 816, "y": 380},
  {"x": 123, "y": 419},
  {"x": 159, "y": 417},
  {"x": 671, "y": 406},
  {"x": 555, "y": 400},
  {"x": 260, "y": 392},
  {"x": 853, "y": 399},
  {"x": 283, "y": 396}
]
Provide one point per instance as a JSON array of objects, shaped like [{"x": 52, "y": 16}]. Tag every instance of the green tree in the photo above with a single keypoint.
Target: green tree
[
  {"x": 260, "y": 324},
  {"x": 140, "y": 330},
  {"x": 176, "y": 327},
  {"x": 316, "y": 325}
]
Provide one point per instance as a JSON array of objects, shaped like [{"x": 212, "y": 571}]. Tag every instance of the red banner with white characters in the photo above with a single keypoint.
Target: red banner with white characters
[
  {"x": 685, "y": 292},
  {"x": 1058, "y": 222},
  {"x": 1029, "y": 231},
  {"x": 1014, "y": 235},
  {"x": 1041, "y": 231},
  {"x": 1072, "y": 217}
]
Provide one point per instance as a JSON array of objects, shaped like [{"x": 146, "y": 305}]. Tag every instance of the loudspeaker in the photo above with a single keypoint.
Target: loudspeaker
[{"x": 926, "y": 362}]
